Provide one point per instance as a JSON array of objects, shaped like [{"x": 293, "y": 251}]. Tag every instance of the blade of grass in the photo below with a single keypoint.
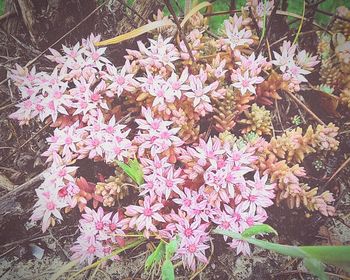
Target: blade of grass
[
  {"x": 264, "y": 23},
  {"x": 284, "y": 13},
  {"x": 300, "y": 25},
  {"x": 63, "y": 270},
  {"x": 136, "y": 32}
]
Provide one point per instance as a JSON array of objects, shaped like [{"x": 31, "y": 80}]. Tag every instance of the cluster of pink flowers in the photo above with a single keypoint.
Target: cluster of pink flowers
[
  {"x": 294, "y": 66},
  {"x": 187, "y": 189},
  {"x": 99, "y": 235}
]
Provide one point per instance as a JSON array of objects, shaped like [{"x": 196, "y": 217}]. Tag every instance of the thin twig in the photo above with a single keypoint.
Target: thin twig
[
  {"x": 286, "y": 37},
  {"x": 332, "y": 15},
  {"x": 132, "y": 9},
  {"x": 182, "y": 35},
  {"x": 278, "y": 114},
  {"x": 341, "y": 167},
  {"x": 7, "y": 15},
  {"x": 221, "y": 13},
  {"x": 301, "y": 104}
]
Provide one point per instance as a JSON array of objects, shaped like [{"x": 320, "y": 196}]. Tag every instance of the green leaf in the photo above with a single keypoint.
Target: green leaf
[
  {"x": 156, "y": 256},
  {"x": 228, "y": 233},
  {"x": 316, "y": 268},
  {"x": 170, "y": 248},
  {"x": 292, "y": 251},
  {"x": 258, "y": 229},
  {"x": 133, "y": 169},
  {"x": 168, "y": 272},
  {"x": 334, "y": 255}
]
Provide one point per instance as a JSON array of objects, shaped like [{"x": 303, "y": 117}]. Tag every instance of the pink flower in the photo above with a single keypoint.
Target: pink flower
[
  {"x": 259, "y": 194},
  {"x": 120, "y": 79},
  {"x": 143, "y": 217},
  {"x": 160, "y": 53},
  {"x": 199, "y": 94},
  {"x": 240, "y": 246},
  {"x": 97, "y": 219},
  {"x": 246, "y": 83},
  {"x": 178, "y": 85},
  {"x": 236, "y": 37},
  {"x": 87, "y": 249},
  {"x": 287, "y": 54},
  {"x": 47, "y": 205},
  {"x": 170, "y": 182},
  {"x": 95, "y": 57},
  {"x": 192, "y": 251}
]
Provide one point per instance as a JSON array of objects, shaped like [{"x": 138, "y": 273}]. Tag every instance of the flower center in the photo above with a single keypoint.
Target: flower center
[
  {"x": 148, "y": 212},
  {"x": 176, "y": 85},
  {"x": 236, "y": 156},
  {"x": 165, "y": 135},
  {"x": 187, "y": 202},
  {"x": 62, "y": 173},
  {"x": 192, "y": 248},
  {"x": 91, "y": 249},
  {"x": 99, "y": 225},
  {"x": 188, "y": 232},
  {"x": 112, "y": 227},
  {"x": 169, "y": 183},
  {"x": 225, "y": 225},
  {"x": 50, "y": 206},
  {"x": 68, "y": 141},
  {"x": 95, "y": 56},
  {"x": 39, "y": 107},
  {"x": 245, "y": 83},
  {"x": 117, "y": 150},
  {"x": 120, "y": 80},
  {"x": 95, "y": 142},
  {"x": 250, "y": 221},
  {"x": 58, "y": 94},
  {"x": 95, "y": 97},
  {"x": 160, "y": 93},
  {"x": 258, "y": 185},
  {"x": 252, "y": 198}
]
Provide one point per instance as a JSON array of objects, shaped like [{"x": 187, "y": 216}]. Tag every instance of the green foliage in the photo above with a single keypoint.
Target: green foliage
[
  {"x": 258, "y": 229},
  {"x": 133, "y": 169},
  {"x": 166, "y": 251},
  {"x": 2, "y": 7},
  {"x": 316, "y": 268},
  {"x": 295, "y": 6},
  {"x": 314, "y": 257},
  {"x": 296, "y": 120},
  {"x": 156, "y": 256},
  {"x": 168, "y": 271},
  {"x": 171, "y": 248}
]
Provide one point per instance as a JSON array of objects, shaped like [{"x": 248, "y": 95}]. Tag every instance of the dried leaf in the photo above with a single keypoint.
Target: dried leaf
[
  {"x": 193, "y": 11},
  {"x": 136, "y": 32}
]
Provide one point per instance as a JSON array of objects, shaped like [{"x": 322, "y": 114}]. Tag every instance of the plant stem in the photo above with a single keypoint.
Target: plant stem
[{"x": 183, "y": 37}]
